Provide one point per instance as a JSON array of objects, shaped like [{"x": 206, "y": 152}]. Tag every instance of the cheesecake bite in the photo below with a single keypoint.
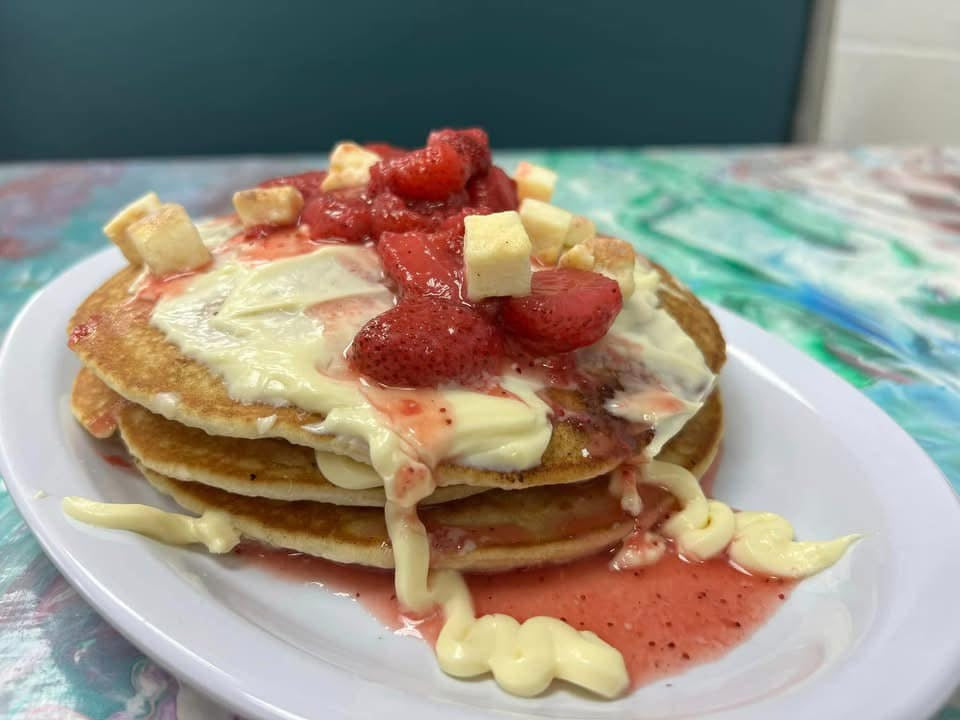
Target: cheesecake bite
[
  {"x": 167, "y": 241},
  {"x": 496, "y": 256}
]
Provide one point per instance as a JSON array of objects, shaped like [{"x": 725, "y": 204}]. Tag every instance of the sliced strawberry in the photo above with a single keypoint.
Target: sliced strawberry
[
  {"x": 565, "y": 310},
  {"x": 307, "y": 183},
  {"x": 494, "y": 190},
  {"x": 344, "y": 215},
  {"x": 440, "y": 208},
  {"x": 391, "y": 213},
  {"x": 430, "y": 173},
  {"x": 452, "y": 240},
  {"x": 472, "y": 144},
  {"x": 426, "y": 343},
  {"x": 421, "y": 264},
  {"x": 453, "y": 224}
]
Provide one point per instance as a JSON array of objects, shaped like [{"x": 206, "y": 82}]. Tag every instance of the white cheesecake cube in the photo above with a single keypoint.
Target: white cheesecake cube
[
  {"x": 496, "y": 255},
  {"x": 279, "y": 205},
  {"x": 349, "y": 166},
  {"x": 116, "y": 229},
  {"x": 578, "y": 257},
  {"x": 534, "y": 182},
  {"x": 581, "y": 230},
  {"x": 547, "y": 225},
  {"x": 168, "y": 241}
]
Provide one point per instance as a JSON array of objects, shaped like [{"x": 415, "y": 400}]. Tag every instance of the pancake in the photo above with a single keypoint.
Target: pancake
[
  {"x": 94, "y": 405},
  {"x": 112, "y": 335},
  {"x": 261, "y": 468},
  {"x": 495, "y": 531},
  {"x": 277, "y": 469},
  {"x": 267, "y": 468}
]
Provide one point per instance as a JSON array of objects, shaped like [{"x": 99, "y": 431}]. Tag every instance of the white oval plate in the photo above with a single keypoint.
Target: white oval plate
[{"x": 875, "y": 637}]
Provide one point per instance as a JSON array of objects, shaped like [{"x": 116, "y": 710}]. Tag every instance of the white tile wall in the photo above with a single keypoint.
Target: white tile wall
[
  {"x": 889, "y": 72},
  {"x": 922, "y": 24}
]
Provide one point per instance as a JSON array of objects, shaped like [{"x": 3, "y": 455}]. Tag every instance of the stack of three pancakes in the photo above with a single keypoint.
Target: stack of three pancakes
[{"x": 259, "y": 463}]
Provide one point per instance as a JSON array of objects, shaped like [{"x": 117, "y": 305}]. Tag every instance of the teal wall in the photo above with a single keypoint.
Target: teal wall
[{"x": 117, "y": 77}]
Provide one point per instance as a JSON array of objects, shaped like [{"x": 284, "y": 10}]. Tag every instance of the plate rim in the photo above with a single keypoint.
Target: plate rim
[{"x": 928, "y": 695}]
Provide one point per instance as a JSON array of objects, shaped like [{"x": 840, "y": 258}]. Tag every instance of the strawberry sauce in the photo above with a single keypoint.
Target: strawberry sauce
[
  {"x": 663, "y": 619},
  {"x": 422, "y": 416},
  {"x": 153, "y": 287},
  {"x": 117, "y": 461},
  {"x": 83, "y": 330},
  {"x": 265, "y": 244},
  {"x": 103, "y": 426}
]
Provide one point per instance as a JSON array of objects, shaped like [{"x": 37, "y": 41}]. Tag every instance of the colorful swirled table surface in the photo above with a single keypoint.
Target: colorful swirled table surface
[{"x": 854, "y": 257}]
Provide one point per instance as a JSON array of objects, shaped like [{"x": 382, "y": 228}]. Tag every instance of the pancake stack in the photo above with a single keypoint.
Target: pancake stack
[{"x": 257, "y": 463}]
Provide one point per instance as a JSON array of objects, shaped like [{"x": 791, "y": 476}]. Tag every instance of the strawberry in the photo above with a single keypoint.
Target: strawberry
[
  {"x": 421, "y": 264},
  {"x": 430, "y": 173},
  {"x": 307, "y": 183},
  {"x": 390, "y": 213},
  {"x": 472, "y": 144},
  {"x": 339, "y": 214},
  {"x": 494, "y": 190},
  {"x": 453, "y": 224},
  {"x": 425, "y": 343},
  {"x": 565, "y": 310}
]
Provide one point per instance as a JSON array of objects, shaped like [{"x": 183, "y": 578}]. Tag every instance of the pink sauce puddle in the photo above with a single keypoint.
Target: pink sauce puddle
[
  {"x": 118, "y": 461},
  {"x": 664, "y": 619}
]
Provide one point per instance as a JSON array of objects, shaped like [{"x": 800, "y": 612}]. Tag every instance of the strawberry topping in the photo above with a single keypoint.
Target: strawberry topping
[
  {"x": 471, "y": 144},
  {"x": 390, "y": 213},
  {"x": 565, "y": 310},
  {"x": 431, "y": 173},
  {"x": 307, "y": 183},
  {"x": 422, "y": 264},
  {"x": 342, "y": 214},
  {"x": 425, "y": 343},
  {"x": 493, "y": 189},
  {"x": 413, "y": 210}
]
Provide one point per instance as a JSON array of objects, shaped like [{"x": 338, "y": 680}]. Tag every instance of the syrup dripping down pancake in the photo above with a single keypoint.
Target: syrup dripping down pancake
[
  {"x": 276, "y": 469},
  {"x": 495, "y": 531},
  {"x": 268, "y": 467}
]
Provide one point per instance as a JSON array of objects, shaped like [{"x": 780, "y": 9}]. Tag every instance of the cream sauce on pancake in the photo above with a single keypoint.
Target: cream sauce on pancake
[
  {"x": 276, "y": 333},
  {"x": 664, "y": 379},
  {"x": 346, "y": 472}
]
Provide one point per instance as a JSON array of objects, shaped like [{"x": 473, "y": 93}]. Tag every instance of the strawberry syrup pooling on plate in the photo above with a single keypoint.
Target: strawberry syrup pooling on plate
[{"x": 663, "y": 619}]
